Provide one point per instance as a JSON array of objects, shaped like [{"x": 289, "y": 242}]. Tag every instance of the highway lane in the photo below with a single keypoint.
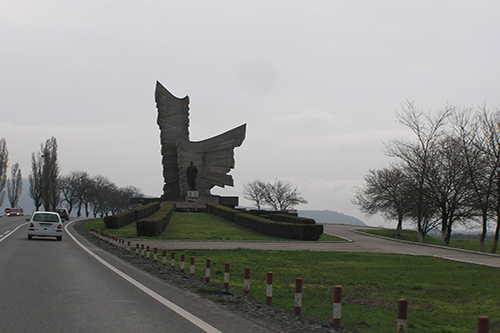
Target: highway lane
[{"x": 46, "y": 285}]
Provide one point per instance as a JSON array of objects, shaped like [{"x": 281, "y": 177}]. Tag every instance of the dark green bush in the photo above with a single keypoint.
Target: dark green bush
[
  {"x": 280, "y": 229},
  {"x": 146, "y": 210},
  {"x": 155, "y": 224},
  {"x": 222, "y": 211},
  {"x": 120, "y": 220},
  {"x": 130, "y": 216},
  {"x": 291, "y": 219}
]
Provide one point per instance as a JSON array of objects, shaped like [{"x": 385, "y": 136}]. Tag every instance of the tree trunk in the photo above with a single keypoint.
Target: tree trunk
[
  {"x": 483, "y": 232},
  {"x": 497, "y": 231},
  {"x": 421, "y": 233},
  {"x": 399, "y": 227}
]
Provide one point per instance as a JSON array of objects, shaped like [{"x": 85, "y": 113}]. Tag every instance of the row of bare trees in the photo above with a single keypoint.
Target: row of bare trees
[
  {"x": 14, "y": 184},
  {"x": 87, "y": 194},
  {"x": 95, "y": 195},
  {"x": 448, "y": 175}
]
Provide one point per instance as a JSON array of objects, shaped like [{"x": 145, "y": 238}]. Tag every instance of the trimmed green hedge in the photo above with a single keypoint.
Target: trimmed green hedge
[
  {"x": 288, "y": 226},
  {"x": 223, "y": 211},
  {"x": 130, "y": 216},
  {"x": 154, "y": 225},
  {"x": 291, "y": 219},
  {"x": 280, "y": 229},
  {"x": 119, "y": 220}
]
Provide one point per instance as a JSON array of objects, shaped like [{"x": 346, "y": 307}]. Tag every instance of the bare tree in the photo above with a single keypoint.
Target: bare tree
[
  {"x": 15, "y": 185},
  {"x": 4, "y": 162},
  {"x": 35, "y": 179},
  {"x": 254, "y": 192},
  {"x": 282, "y": 196},
  {"x": 418, "y": 156},
  {"x": 386, "y": 192},
  {"x": 489, "y": 145}
]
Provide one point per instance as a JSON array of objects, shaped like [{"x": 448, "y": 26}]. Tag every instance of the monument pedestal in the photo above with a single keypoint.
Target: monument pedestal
[{"x": 192, "y": 196}]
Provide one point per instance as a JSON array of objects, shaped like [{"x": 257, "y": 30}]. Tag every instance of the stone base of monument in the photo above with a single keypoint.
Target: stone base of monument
[{"x": 192, "y": 196}]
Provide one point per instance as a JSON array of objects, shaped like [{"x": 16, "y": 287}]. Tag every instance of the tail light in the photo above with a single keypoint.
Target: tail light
[
  {"x": 32, "y": 225},
  {"x": 59, "y": 227}
]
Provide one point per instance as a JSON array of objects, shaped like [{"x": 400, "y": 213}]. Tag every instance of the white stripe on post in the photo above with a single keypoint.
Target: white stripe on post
[
  {"x": 226, "y": 275},
  {"x": 172, "y": 260},
  {"x": 246, "y": 282},
  {"x": 269, "y": 289},
  {"x": 155, "y": 257},
  {"x": 298, "y": 296},
  {"x": 337, "y": 307},
  {"x": 182, "y": 262},
  {"x": 164, "y": 257},
  {"x": 192, "y": 266}
]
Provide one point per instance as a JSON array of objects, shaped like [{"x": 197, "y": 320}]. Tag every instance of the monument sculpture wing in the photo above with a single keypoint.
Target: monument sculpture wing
[{"x": 213, "y": 157}]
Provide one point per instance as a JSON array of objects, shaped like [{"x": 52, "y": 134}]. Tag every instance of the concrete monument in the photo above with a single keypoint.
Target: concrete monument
[{"x": 192, "y": 166}]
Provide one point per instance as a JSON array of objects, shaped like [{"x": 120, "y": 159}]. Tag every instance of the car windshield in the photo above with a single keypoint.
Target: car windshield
[{"x": 45, "y": 218}]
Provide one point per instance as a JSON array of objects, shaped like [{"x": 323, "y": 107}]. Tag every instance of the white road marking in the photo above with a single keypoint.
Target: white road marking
[
  {"x": 8, "y": 233},
  {"x": 172, "y": 306}
]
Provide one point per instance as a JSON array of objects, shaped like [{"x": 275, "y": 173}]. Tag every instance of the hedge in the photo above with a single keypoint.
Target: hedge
[
  {"x": 280, "y": 229},
  {"x": 291, "y": 219},
  {"x": 154, "y": 225},
  {"x": 223, "y": 211},
  {"x": 130, "y": 216},
  {"x": 288, "y": 226}
]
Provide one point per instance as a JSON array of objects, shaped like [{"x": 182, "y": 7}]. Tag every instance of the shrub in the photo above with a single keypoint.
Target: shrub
[
  {"x": 222, "y": 211},
  {"x": 119, "y": 220},
  {"x": 155, "y": 224},
  {"x": 291, "y": 219}
]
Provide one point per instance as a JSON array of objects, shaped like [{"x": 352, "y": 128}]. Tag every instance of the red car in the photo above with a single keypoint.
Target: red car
[{"x": 16, "y": 212}]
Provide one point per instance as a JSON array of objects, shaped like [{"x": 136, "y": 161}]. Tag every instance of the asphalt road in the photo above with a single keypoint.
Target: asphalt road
[{"x": 51, "y": 286}]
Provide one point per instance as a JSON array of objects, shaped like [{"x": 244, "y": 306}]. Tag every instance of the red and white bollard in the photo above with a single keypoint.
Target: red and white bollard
[
  {"x": 142, "y": 250},
  {"x": 155, "y": 256},
  {"x": 172, "y": 260},
  {"x": 483, "y": 325},
  {"x": 402, "y": 316},
  {"x": 148, "y": 252},
  {"x": 137, "y": 249},
  {"x": 246, "y": 282},
  {"x": 128, "y": 246},
  {"x": 192, "y": 266},
  {"x": 337, "y": 307},
  {"x": 226, "y": 275},
  {"x": 269, "y": 289},
  {"x": 182, "y": 262},
  {"x": 207, "y": 270},
  {"x": 298, "y": 296},
  {"x": 164, "y": 257}
]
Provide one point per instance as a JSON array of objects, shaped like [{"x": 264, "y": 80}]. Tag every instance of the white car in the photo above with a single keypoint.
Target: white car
[{"x": 45, "y": 224}]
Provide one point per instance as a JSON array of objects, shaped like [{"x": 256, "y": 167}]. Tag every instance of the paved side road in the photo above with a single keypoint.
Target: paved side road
[{"x": 356, "y": 241}]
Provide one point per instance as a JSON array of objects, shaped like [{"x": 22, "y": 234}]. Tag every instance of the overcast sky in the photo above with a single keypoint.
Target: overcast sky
[{"x": 317, "y": 82}]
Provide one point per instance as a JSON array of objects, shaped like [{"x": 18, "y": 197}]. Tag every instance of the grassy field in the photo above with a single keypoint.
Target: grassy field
[
  {"x": 199, "y": 226},
  {"x": 443, "y": 296},
  {"x": 412, "y": 236}
]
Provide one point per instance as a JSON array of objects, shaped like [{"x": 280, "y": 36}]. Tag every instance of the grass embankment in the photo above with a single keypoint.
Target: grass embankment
[
  {"x": 443, "y": 296},
  {"x": 412, "y": 236}
]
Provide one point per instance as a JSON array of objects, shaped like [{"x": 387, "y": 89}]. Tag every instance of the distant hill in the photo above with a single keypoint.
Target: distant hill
[{"x": 329, "y": 216}]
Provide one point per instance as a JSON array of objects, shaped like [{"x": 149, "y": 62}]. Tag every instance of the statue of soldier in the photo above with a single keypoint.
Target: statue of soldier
[{"x": 191, "y": 173}]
